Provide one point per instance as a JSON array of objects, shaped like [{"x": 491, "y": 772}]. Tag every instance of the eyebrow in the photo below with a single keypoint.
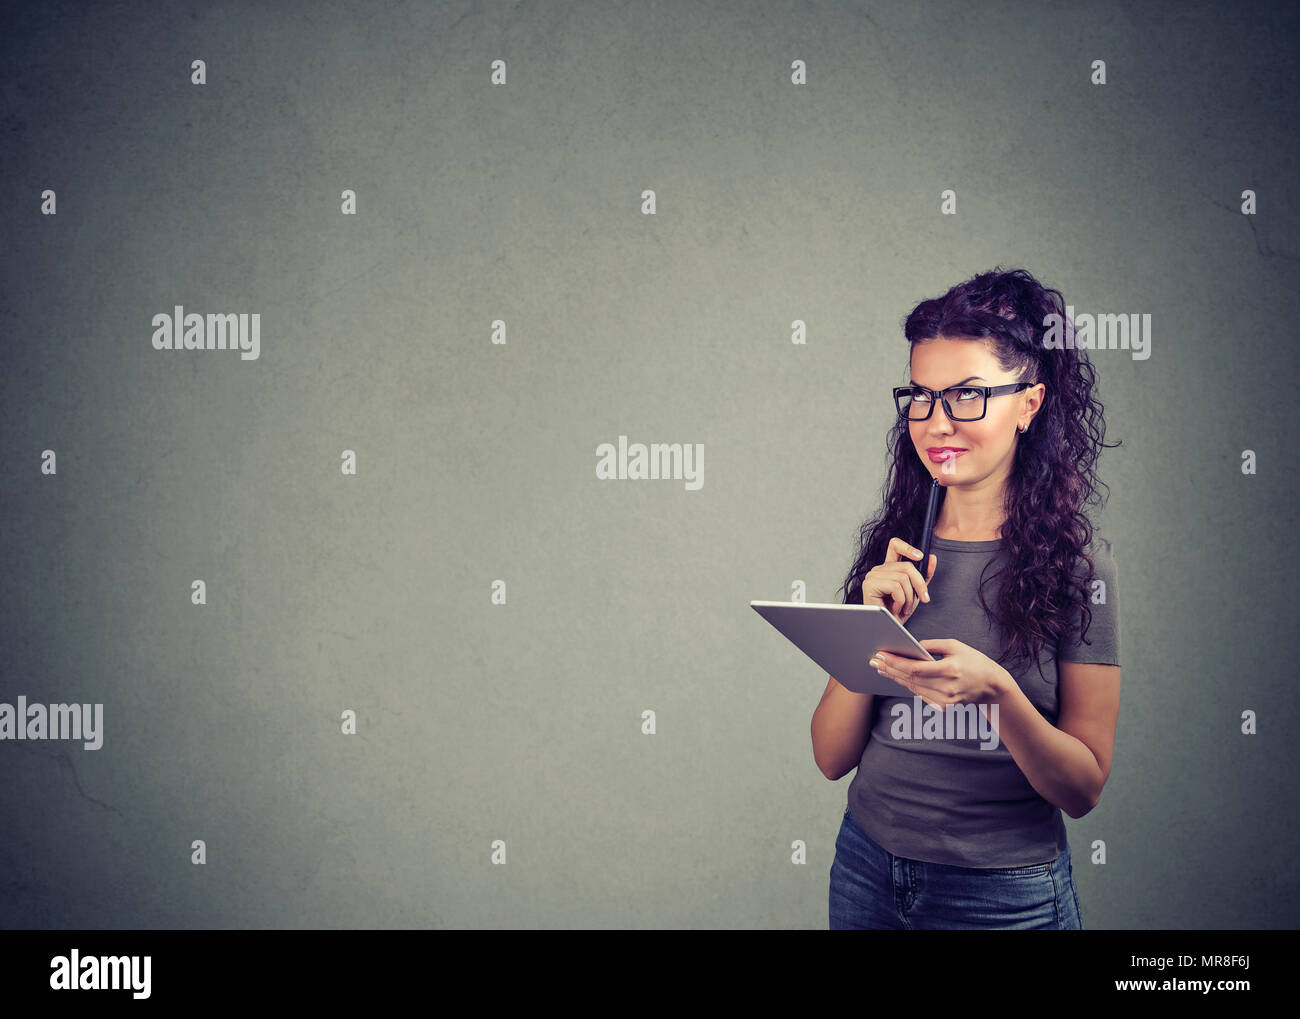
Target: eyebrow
[{"x": 963, "y": 381}]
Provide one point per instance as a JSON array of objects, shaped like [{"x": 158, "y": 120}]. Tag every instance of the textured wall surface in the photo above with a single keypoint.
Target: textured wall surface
[{"x": 134, "y": 183}]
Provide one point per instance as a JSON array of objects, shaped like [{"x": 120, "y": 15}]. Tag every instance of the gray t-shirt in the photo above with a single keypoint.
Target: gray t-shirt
[{"x": 950, "y": 800}]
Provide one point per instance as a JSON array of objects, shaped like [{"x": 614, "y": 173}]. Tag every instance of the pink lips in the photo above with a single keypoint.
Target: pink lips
[{"x": 942, "y": 454}]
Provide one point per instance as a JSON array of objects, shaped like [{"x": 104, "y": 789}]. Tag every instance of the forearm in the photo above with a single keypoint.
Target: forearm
[
  {"x": 841, "y": 727},
  {"x": 1060, "y": 768}
]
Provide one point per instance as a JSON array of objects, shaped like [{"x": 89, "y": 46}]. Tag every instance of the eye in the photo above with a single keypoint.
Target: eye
[
  {"x": 920, "y": 396},
  {"x": 964, "y": 395}
]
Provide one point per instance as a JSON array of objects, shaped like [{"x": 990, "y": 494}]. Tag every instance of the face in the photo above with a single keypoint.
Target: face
[{"x": 988, "y": 445}]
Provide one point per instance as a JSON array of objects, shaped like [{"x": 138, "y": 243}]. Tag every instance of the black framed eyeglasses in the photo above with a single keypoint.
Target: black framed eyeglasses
[{"x": 916, "y": 403}]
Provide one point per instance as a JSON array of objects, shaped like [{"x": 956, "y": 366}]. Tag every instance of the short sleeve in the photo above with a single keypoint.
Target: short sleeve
[{"x": 1102, "y": 598}]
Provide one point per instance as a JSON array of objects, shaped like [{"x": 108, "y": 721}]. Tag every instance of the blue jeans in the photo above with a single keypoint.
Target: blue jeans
[{"x": 871, "y": 889}]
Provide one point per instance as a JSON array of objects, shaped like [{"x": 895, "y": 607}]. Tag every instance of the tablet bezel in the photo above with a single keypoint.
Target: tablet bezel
[{"x": 841, "y": 638}]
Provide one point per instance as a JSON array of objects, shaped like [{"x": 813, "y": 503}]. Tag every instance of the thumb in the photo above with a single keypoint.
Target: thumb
[{"x": 941, "y": 645}]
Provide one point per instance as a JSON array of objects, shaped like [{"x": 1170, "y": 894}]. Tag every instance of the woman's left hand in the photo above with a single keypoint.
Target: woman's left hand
[{"x": 962, "y": 676}]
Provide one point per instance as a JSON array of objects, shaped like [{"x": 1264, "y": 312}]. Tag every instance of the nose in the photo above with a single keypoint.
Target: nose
[{"x": 939, "y": 421}]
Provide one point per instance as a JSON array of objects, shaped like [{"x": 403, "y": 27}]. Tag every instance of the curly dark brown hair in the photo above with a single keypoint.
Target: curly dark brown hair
[{"x": 1053, "y": 480}]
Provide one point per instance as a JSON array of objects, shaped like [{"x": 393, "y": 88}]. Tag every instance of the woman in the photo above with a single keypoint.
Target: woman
[{"x": 943, "y": 831}]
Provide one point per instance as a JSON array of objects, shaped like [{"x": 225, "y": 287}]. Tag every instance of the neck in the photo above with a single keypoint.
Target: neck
[{"x": 970, "y": 515}]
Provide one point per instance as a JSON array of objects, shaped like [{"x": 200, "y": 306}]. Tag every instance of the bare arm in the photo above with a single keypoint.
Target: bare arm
[
  {"x": 840, "y": 729},
  {"x": 1067, "y": 763}
]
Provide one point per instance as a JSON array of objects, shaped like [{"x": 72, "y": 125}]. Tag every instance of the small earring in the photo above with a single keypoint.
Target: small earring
[{"x": 1022, "y": 429}]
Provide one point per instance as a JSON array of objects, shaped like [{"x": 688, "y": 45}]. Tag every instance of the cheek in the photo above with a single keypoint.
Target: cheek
[{"x": 993, "y": 426}]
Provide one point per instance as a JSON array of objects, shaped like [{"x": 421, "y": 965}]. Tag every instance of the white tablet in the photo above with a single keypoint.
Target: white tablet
[{"x": 841, "y": 638}]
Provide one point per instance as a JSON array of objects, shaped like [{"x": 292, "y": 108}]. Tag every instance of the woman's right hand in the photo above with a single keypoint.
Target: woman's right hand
[{"x": 896, "y": 584}]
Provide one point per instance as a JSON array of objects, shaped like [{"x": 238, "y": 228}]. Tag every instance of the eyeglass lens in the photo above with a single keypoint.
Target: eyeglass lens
[{"x": 967, "y": 404}]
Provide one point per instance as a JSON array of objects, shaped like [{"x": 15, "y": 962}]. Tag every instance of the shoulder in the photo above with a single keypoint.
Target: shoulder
[
  {"x": 1101, "y": 599},
  {"x": 1102, "y": 554},
  {"x": 1099, "y": 586},
  {"x": 1101, "y": 547}
]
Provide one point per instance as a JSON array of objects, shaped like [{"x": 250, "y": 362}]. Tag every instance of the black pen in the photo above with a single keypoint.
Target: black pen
[{"x": 927, "y": 532}]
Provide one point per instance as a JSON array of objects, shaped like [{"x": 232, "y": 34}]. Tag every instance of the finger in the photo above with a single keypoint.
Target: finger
[
  {"x": 899, "y": 549},
  {"x": 900, "y": 599},
  {"x": 928, "y": 690},
  {"x": 934, "y": 562},
  {"x": 878, "y": 663},
  {"x": 888, "y": 594},
  {"x": 894, "y": 667},
  {"x": 919, "y": 670},
  {"x": 909, "y": 592},
  {"x": 928, "y": 672},
  {"x": 896, "y": 549},
  {"x": 917, "y": 690},
  {"x": 918, "y": 582}
]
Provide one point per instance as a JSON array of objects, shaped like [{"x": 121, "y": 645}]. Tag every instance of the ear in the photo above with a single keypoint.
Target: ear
[{"x": 1034, "y": 397}]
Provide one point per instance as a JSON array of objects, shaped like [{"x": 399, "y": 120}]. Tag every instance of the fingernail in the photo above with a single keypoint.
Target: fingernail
[
  {"x": 874, "y": 663},
  {"x": 926, "y": 596}
]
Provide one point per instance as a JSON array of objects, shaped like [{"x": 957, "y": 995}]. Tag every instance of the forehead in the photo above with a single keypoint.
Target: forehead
[{"x": 945, "y": 362}]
